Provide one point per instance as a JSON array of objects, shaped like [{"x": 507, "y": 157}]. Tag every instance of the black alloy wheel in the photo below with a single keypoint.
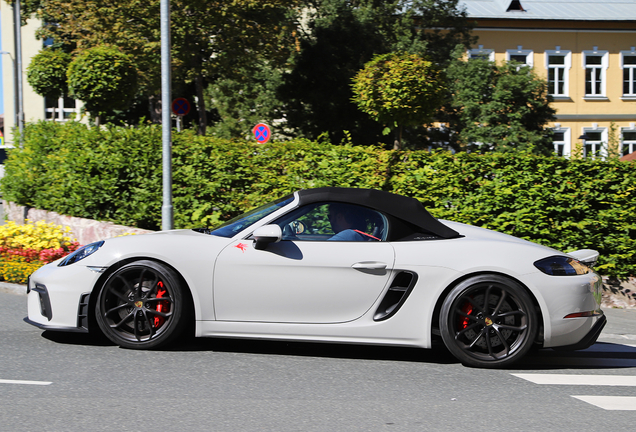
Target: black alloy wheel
[
  {"x": 141, "y": 306},
  {"x": 488, "y": 321}
]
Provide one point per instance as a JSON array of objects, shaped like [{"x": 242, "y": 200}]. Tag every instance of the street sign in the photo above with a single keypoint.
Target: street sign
[
  {"x": 180, "y": 107},
  {"x": 262, "y": 133}
]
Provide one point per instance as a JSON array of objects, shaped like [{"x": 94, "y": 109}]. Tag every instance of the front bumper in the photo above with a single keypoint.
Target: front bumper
[{"x": 58, "y": 297}]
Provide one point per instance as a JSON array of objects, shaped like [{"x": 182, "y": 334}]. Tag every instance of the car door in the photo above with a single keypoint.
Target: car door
[{"x": 305, "y": 278}]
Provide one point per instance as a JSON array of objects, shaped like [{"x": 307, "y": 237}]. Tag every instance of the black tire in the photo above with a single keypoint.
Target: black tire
[
  {"x": 142, "y": 306},
  {"x": 488, "y": 321}
]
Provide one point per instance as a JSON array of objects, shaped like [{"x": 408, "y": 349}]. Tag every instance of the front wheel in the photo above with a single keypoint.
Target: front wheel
[
  {"x": 141, "y": 306},
  {"x": 488, "y": 321}
]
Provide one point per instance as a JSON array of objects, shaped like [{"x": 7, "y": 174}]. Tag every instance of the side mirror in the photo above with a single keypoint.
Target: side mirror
[{"x": 267, "y": 234}]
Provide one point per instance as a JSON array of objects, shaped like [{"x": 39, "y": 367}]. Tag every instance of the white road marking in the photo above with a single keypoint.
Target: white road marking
[
  {"x": 3, "y": 381},
  {"x": 591, "y": 380},
  {"x": 611, "y": 403}
]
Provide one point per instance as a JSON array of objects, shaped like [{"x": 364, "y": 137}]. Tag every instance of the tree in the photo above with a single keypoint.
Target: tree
[
  {"x": 340, "y": 38},
  {"x": 398, "y": 90},
  {"x": 492, "y": 103},
  {"x": 103, "y": 78},
  {"x": 210, "y": 38},
  {"x": 46, "y": 73}
]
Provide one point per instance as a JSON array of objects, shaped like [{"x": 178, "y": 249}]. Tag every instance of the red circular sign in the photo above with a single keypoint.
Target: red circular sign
[
  {"x": 262, "y": 133},
  {"x": 180, "y": 106}
]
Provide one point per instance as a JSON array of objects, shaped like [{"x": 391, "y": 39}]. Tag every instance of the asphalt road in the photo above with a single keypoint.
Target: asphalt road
[{"x": 68, "y": 382}]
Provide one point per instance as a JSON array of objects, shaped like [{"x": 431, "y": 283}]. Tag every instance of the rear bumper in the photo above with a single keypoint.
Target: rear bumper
[{"x": 589, "y": 339}]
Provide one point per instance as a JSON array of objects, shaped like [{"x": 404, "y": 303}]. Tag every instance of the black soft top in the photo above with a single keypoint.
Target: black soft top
[{"x": 407, "y": 209}]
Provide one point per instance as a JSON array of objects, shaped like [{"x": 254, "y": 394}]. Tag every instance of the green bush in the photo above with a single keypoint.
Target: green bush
[{"x": 115, "y": 174}]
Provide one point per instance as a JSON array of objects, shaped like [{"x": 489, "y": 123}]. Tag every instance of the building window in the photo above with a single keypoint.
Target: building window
[
  {"x": 561, "y": 141},
  {"x": 61, "y": 109},
  {"x": 482, "y": 54},
  {"x": 593, "y": 146},
  {"x": 595, "y": 64},
  {"x": 558, "y": 63},
  {"x": 628, "y": 141},
  {"x": 524, "y": 57},
  {"x": 628, "y": 63}
]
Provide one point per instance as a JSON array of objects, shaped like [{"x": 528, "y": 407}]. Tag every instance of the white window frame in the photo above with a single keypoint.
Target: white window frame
[
  {"x": 566, "y": 143},
  {"x": 630, "y": 95},
  {"x": 566, "y": 66},
  {"x": 60, "y": 111},
  {"x": 631, "y": 144},
  {"x": 599, "y": 146},
  {"x": 521, "y": 52},
  {"x": 600, "y": 72},
  {"x": 482, "y": 52}
]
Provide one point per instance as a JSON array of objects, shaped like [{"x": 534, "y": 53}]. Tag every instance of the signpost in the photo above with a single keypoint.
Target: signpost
[
  {"x": 262, "y": 133},
  {"x": 180, "y": 108}
]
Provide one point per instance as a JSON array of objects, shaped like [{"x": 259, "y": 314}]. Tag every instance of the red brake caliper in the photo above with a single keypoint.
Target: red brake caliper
[
  {"x": 467, "y": 309},
  {"x": 161, "y": 306}
]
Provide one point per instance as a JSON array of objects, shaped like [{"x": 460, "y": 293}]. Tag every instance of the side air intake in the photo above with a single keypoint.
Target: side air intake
[{"x": 397, "y": 294}]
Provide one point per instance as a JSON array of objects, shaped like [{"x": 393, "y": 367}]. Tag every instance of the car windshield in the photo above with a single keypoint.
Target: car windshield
[{"x": 237, "y": 224}]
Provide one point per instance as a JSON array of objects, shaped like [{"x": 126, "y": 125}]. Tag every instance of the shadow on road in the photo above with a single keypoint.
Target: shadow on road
[
  {"x": 600, "y": 356},
  {"x": 268, "y": 347}
]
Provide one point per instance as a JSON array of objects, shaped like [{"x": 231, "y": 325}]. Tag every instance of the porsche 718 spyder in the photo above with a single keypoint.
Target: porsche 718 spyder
[{"x": 334, "y": 265}]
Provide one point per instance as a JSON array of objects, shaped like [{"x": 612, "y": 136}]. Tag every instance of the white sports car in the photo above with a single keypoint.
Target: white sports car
[{"x": 331, "y": 265}]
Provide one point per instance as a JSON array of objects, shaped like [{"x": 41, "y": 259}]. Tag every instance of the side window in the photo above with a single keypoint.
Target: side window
[{"x": 333, "y": 222}]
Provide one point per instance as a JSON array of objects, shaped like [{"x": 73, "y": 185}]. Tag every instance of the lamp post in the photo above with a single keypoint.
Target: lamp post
[
  {"x": 17, "y": 25},
  {"x": 166, "y": 121}
]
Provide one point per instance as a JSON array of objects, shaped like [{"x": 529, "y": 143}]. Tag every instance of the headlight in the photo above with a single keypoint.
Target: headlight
[
  {"x": 561, "y": 266},
  {"x": 81, "y": 253}
]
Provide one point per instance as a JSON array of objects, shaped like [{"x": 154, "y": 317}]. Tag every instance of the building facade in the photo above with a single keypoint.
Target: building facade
[
  {"x": 35, "y": 107},
  {"x": 587, "y": 52}
]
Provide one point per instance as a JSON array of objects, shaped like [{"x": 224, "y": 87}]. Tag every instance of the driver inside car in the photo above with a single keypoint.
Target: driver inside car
[{"x": 347, "y": 223}]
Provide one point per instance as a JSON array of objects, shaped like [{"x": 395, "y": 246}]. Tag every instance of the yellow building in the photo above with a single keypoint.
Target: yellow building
[{"x": 587, "y": 52}]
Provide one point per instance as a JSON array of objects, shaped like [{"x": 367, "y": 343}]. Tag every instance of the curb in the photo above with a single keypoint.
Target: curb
[{"x": 13, "y": 288}]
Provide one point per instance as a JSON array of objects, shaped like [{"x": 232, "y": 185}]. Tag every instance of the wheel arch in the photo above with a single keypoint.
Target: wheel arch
[
  {"x": 440, "y": 301},
  {"x": 92, "y": 322}
]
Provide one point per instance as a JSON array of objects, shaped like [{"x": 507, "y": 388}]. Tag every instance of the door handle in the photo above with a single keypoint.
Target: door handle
[{"x": 369, "y": 265}]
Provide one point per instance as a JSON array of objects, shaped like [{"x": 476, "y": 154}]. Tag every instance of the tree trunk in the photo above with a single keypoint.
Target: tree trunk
[
  {"x": 203, "y": 119},
  {"x": 397, "y": 144},
  {"x": 154, "y": 105}
]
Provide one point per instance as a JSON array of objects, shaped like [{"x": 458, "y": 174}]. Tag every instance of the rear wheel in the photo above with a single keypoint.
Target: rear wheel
[
  {"x": 141, "y": 306},
  {"x": 488, "y": 321}
]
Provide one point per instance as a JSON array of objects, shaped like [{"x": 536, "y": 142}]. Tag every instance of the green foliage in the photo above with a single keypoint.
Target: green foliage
[
  {"x": 246, "y": 100},
  {"x": 346, "y": 34},
  {"x": 399, "y": 89},
  {"x": 46, "y": 73},
  {"x": 210, "y": 38},
  {"x": 503, "y": 108},
  {"x": 103, "y": 78},
  {"x": 114, "y": 174}
]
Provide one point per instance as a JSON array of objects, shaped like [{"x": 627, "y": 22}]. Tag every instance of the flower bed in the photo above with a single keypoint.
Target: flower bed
[{"x": 25, "y": 248}]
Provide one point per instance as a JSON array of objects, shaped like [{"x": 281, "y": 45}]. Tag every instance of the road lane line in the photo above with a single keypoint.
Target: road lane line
[
  {"x": 590, "y": 380},
  {"x": 3, "y": 381},
  {"x": 611, "y": 403}
]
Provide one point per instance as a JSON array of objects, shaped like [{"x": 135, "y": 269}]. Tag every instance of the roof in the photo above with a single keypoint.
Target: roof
[
  {"x": 629, "y": 157},
  {"x": 401, "y": 207},
  {"x": 570, "y": 10}
]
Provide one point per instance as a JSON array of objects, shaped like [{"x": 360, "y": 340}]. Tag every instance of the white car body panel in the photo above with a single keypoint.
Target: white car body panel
[{"x": 299, "y": 282}]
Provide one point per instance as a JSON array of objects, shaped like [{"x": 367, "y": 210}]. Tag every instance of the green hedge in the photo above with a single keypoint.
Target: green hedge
[{"x": 115, "y": 174}]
